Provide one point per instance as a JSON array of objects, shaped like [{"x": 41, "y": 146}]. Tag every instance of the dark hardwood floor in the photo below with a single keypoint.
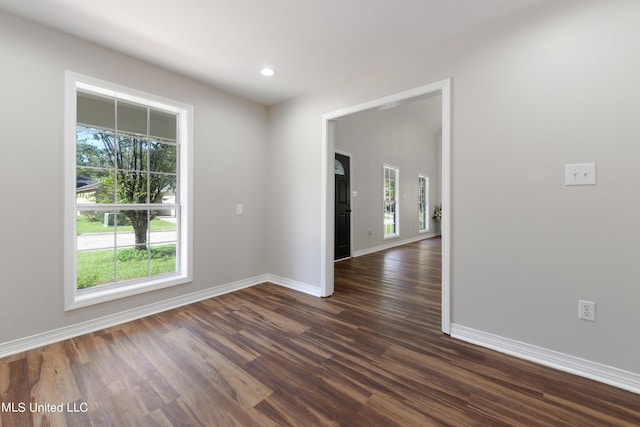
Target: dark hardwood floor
[{"x": 370, "y": 355}]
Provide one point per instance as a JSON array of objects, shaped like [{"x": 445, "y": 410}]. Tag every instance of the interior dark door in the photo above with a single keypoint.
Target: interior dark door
[{"x": 343, "y": 208}]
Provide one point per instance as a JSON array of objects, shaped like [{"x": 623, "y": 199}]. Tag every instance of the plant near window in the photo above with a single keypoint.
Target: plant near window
[{"x": 437, "y": 213}]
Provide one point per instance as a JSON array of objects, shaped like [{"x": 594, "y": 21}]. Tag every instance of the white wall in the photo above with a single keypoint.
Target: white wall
[
  {"x": 399, "y": 137},
  {"x": 554, "y": 85},
  {"x": 230, "y": 145}
]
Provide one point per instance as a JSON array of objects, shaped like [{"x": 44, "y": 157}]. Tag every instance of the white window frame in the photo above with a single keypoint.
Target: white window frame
[
  {"x": 73, "y": 298},
  {"x": 425, "y": 202},
  {"x": 396, "y": 200}
]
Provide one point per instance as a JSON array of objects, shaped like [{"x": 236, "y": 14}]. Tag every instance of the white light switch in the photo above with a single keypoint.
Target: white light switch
[
  {"x": 580, "y": 174},
  {"x": 239, "y": 209}
]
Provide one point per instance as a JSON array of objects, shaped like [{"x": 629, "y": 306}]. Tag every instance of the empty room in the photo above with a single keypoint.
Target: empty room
[{"x": 357, "y": 213}]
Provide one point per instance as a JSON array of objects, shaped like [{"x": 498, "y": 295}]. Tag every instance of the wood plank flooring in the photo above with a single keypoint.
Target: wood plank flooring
[{"x": 370, "y": 355}]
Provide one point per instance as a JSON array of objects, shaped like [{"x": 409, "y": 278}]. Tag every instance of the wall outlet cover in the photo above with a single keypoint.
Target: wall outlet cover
[{"x": 587, "y": 310}]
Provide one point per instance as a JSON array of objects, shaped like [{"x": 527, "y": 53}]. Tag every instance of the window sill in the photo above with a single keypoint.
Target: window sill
[{"x": 89, "y": 297}]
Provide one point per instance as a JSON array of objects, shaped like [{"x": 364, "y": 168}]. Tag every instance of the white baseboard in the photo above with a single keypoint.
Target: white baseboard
[
  {"x": 71, "y": 331},
  {"x": 392, "y": 244},
  {"x": 606, "y": 374},
  {"x": 292, "y": 284},
  {"x": 595, "y": 371}
]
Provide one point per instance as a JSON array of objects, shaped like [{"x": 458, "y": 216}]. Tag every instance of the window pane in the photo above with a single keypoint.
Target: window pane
[
  {"x": 390, "y": 219},
  {"x": 162, "y": 188},
  {"x": 132, "y": 245},
  {"x": 95, "y": 230},
  {"x": 95, "y": 244},
  {"x": 163, "y": 259},
  {"x": 163, "y": 228},
  {"x": 94, "y": 186},
  {"x": 94, "y": 268},
  {"x": 131, "y": 263},
  {"x": 131, "y": 187},
  {"x": 135, "y": 228},
  {"x": 163, "y": 157},
  {"x": 132, "y": 118},
  {"x": 94, "y": 147},
  {"x": 94, "y": 110},
  {"x": 164, "y": 241},
  {"x": 132, "y": 153},
  {"x": 162, "y": 124}
]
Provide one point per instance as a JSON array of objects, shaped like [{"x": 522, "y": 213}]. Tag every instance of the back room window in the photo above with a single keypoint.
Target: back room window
[{"x": 390, "y": 201}]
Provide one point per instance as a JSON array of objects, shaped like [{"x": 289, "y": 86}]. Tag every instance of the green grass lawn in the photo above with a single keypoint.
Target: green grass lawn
[
  {"x": 97, "y": 267},
  {"x": 85, "y": 225}
]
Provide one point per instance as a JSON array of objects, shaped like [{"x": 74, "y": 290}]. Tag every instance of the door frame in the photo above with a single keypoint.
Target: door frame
[
  {"x": 350, "y": 156},
  {"x": 443, "y": 88}
]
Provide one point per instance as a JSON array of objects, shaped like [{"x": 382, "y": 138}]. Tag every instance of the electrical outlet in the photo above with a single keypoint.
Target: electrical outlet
[{"x": 587, "y": 310}]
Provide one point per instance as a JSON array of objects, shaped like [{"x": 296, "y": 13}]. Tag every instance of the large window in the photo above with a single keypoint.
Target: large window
[
  {"x": 423, "y": 203},
  {"x": 390, "y": 201},
  {"x": 128, "y": 223}
]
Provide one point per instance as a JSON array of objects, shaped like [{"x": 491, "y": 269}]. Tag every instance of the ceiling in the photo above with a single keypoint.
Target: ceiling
[{"x": 224, "y": 43}]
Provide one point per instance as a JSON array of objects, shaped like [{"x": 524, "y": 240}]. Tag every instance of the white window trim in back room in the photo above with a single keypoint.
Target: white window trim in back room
[{"x": 73, "y": 298}]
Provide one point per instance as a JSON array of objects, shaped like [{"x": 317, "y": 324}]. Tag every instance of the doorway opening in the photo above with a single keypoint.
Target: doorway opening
[
  {"x": 442, "y": 88},
  {"x": 342, "y": 204}
]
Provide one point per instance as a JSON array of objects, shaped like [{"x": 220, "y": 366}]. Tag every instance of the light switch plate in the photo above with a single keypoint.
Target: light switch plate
[{"x": 580, "y": 174}]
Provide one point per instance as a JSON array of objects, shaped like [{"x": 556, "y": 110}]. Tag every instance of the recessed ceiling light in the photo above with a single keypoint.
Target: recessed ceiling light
[{"x": 268, "y": 72}]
